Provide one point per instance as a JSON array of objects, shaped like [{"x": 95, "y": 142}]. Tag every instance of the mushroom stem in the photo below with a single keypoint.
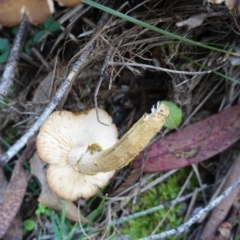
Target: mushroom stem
[{"x": 128, "y": 147}]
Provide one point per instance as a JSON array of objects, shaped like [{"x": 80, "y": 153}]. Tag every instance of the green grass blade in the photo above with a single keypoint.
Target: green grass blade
[
  {"x": 207, "y": 68},
  {"x": 153, "y": 28}
]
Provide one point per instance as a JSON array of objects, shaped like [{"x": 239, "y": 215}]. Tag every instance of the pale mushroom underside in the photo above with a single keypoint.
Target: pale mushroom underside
[
  {"x": 72, "y": 185},
  {"x": 65, "y": 130}
]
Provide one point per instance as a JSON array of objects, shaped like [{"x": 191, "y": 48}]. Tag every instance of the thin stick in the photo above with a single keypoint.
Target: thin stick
[
  {"x": 194, "y": 219},
  {"x": 102, "y": 76},
  {"x": 77, "y": 65},
  {"x": 9, "y": 72},
  {"x": 4, "y": 158},
  {"x": 146, "y": 66},
  {"x": 171, "y": 207},
  {"x": 153, "y": 209}
]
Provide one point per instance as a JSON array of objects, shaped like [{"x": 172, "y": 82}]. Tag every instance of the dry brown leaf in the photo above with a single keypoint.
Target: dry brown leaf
[
  {"x": 196, "y": 20},
  {"x": 225, "y": 230},
  {"x": 14, "y": 232},
  {"x": 194, "y": 143},
  {"x": 13, "y": 197},
  {"x": 3, "y": 185},
  {"x": 220, "y": 212},
  {"x": 48, "y": 197},
  {"x": 44, "y": 90},
  {"x": 15, "y": 229}
]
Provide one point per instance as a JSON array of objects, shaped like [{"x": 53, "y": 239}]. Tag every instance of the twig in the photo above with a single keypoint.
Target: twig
[
  {"x": 194, "y": 219},
  {"x": 77, "y": 65},
  {"x": 183, "y": 188},
  {"x": 195, "y": 169},
  {"x": 160, "y": 68},
  {"x": 8, "y": 75},
  {"x": 158, "y": 180},
  {"x": 201, "y": 103},
  {"x": 102, "y": 76},
  {"x": 154, "y": 209},
  {"x": 4, "y": 158}
]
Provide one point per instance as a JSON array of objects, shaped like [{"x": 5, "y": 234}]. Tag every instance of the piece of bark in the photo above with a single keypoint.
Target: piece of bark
[{"x": 194, "y": 143}]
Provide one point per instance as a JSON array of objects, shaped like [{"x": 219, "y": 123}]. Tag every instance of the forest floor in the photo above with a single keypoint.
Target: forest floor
[{"x": 192, "y": 61}]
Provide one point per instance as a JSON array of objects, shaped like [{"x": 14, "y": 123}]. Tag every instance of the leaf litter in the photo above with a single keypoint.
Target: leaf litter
[
  {"x": 48, "y": 197},
  {"x": 13, "y": 197},
  {"x": 197, "y": 94}
]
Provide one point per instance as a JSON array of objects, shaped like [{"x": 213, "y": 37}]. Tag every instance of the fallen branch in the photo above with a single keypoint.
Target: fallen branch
[
  {"x": 67, "y": 83},
  {"x": 103, "y": 75},
  {"x": 148, "y": 66},
  {"x": 9, "y": 72},
  {"x": 191, "y": 221},
  {"x": 154, "y": 209}
]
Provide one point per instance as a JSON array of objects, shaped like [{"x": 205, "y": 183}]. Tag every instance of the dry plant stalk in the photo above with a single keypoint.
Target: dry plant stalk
[{"x": 128, "y": 147}]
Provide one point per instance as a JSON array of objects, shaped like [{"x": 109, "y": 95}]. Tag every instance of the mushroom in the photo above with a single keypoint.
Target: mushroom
[
  {"x": 229, "y": 3},
  {"x": 232, "y": 4},
  {"x": 36, "y": 11},
  {"x": 83, "y": 154},
  {"x": 66, "y": 136},
  {"x": 68, "y": 3}
]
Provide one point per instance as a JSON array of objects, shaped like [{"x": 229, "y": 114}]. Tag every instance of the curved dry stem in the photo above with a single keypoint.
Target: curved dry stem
[{"x": 128, "y": 147}]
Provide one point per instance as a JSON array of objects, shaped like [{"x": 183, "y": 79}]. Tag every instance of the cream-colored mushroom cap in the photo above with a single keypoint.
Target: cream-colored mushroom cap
[
  {"x": 36, "y": 11},
  {"x": 63, "y": 139},
  {"x": 229, "y": 3},
  {"x": 68, "y": 3}
]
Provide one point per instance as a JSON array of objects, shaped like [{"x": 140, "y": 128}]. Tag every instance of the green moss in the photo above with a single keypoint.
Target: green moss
[{"x": 164, "y": 192}]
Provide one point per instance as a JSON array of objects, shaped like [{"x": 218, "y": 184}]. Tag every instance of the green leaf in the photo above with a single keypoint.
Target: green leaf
[
  {"x": 29, "y": 225},
  {"x": 55, "y": 26},
  {"x": 47, "y": 23},
  {"x": 42, "y": 209},
  {"x": 28, "y": 47},
  {"x": 4, "y": 55},
  {"x": 3, "y": 44},
  {"x": 39, "y": 35},
  {"x": 14, "y": 30},
  {"x": 175, "y": 116}
]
